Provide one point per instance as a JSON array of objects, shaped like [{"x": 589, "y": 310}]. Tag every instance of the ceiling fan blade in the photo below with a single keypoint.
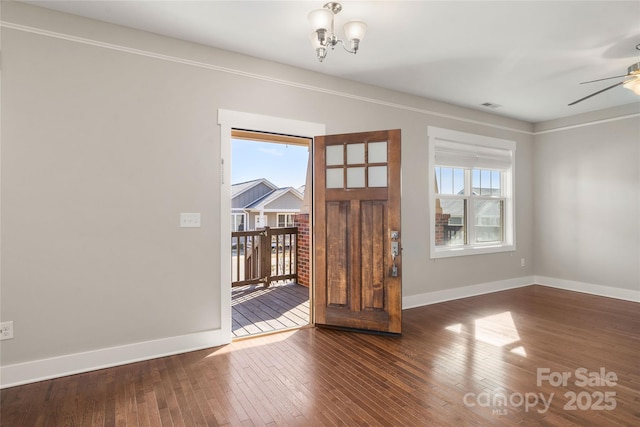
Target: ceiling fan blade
[
  {"x": 606, "y": 78},
  {"x": 595, "y": 93}
]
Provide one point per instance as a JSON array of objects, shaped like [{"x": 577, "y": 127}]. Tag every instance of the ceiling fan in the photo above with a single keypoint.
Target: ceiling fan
[{"x": 631, "y": 82}]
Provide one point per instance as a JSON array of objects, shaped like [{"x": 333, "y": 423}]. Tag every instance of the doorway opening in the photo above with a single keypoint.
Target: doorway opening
[{"x": 270, "y": 232}]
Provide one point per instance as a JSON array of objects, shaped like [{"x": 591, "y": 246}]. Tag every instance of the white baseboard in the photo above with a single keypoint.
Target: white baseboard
[
  {"x": 589, "y": 288},
  {"x": 44, "y": 369},
  {"x": 435, "y": 297}
]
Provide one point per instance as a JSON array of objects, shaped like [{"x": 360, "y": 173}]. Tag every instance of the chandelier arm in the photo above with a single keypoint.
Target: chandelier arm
[{"x": 344, "y": 46}]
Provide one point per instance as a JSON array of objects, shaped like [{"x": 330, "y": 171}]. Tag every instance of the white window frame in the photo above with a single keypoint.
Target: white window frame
[
  {"x": 440, "y": 135},
  {"x": 292, "y": 214},
  {"x": 234, "y": 221}
]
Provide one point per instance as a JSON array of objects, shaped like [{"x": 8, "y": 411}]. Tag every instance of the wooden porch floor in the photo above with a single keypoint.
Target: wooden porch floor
[{"x": 256, "y": 309}]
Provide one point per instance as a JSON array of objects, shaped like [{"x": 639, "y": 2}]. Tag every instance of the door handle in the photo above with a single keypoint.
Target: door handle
[{"x": 395, "y": 251}]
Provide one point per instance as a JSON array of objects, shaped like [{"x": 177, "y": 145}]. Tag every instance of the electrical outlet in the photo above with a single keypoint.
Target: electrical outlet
[
  {"x": 6, "y": 330},
  {"x": 522, "y": 262}
]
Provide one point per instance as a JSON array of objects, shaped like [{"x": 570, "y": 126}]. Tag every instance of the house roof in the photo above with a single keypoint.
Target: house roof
[
  {"x": 267, "y": 199},
  {"x": 454, "y": 207},
  {"x": 241, "y": 187}
]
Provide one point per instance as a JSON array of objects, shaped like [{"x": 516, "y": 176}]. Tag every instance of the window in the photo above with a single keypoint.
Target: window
[
  {"x": 285, "y": 220},
  {"x": 237, "y": 222},
  {"x": 471, "y": 193}
]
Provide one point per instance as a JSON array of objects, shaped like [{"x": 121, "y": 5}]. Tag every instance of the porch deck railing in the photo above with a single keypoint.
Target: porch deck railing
[{"x": 264, "y": 256}]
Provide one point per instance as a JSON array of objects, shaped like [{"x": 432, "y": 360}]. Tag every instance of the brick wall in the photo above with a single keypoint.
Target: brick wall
[
  {"x": 441, "y": 221},
  {"x": 304, "y": 258}
]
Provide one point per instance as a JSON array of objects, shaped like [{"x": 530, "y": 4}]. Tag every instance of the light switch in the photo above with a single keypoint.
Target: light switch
[{"x": 189, "y": 220}]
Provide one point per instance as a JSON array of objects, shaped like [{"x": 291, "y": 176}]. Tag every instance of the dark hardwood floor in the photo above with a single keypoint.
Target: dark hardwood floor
[
  {"x": 484, "y": 361},
  {"x": 256, "y": 309}
]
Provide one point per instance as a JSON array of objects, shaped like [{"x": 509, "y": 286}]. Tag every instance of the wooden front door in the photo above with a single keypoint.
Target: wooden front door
[{"x": 357, "y": 230}]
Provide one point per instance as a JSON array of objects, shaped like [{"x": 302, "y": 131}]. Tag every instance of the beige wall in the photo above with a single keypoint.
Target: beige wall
[
  {"x": 587, "y": 199},
  {"x": 104, "y": 146}
]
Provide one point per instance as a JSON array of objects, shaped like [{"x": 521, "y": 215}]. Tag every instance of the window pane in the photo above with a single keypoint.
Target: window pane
[
  {"x": 449, "y": 180},
  {"x": 485, "y": 182},
  {"x": 450, "y": 222},
  {"x": 446, "y": 181},
  {"x": 495, "y": 183},
  {"x": 237, "y": 222},
  {"x": 475, "y": 182},
  {"x": 458, "y": 181},
  {"x": 488, "y": 220}
]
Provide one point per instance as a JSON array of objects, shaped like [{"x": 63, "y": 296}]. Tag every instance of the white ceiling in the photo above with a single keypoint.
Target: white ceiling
[{"x": 527, "y": 57}]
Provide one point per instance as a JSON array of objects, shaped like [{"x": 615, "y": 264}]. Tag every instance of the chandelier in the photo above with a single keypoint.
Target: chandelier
[{"x": 324, "y": 36}]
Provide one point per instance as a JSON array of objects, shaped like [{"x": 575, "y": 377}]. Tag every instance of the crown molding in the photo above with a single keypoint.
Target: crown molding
[
  {"x": 590, "y": 123},
  {"x": 199, "y": 64},
  {"x": 237, "y": 72}
]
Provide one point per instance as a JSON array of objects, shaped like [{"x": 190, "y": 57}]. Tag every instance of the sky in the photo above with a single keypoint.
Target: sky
[{"x": 283, "y": 165}]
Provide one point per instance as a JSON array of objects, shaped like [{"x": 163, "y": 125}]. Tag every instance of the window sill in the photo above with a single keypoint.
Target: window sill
[{"x": 466, "y": 251}]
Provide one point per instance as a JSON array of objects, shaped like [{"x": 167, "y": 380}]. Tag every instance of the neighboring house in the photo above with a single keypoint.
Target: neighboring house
[
  {"x": 488, "y": 218},
  {"x": 259, "y": 203}
]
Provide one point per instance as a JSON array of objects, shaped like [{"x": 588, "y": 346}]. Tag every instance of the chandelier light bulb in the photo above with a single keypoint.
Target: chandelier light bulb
[
  {"x": 315, "y": 40},
  {"x": 355, "y": 30},
  {"x": 321, "y": 19},
  {"x": 324, "y": 37}
]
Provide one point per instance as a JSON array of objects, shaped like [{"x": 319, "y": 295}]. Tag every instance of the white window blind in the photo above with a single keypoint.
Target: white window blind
[{"x": 462, "y": 155}]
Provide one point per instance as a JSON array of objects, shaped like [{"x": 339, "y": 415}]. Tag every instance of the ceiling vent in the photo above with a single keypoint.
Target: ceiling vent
[{"x": 490, "y": 105}]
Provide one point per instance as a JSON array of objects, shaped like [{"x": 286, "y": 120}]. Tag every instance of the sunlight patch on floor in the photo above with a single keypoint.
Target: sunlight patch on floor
[
  {"x": 498, "y": 330},
  {"x": 520, "y": 351}
]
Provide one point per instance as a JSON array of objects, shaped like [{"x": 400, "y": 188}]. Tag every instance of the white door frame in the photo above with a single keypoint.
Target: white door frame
[{"x": 229, "y": 120}]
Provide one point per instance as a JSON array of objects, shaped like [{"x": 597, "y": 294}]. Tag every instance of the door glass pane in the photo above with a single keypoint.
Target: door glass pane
[
  {"x": 335, "y": 178},
  {"x": 378, "y": 152},
  {"x": 377, "y": 176},
  {"x": 335, "y": 155},
  {"x": 355, "y": 154},
  {"x": 355, "y": 177}
]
